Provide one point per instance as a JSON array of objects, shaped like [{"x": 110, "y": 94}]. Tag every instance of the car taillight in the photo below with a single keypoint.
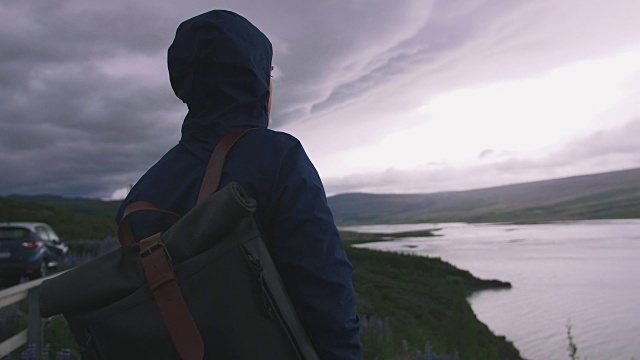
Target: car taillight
[{"x": 29, "y": 245}]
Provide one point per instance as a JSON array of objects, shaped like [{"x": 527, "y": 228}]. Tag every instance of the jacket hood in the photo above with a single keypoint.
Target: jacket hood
[{"x": 220, "y": 66}]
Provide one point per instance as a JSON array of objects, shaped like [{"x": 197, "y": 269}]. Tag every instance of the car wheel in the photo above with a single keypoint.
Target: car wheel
[{"x": 43, "y": 270}]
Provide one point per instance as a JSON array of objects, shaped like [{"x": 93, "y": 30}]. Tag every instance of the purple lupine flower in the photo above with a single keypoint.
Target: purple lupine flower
[
  {"x": 387, "y": 329},
  {"x": 107, "y": 245},
  {"x": 64, "y": 354},
  {"x": 372, "y": 325},
  {"x": 45, "y": 351},
  {"x": 380, "y": 330},
  {"x": 428, "y": 352},
  {"x": 30, "y": 353},
  {"x": 363, "y": 324},
  {"x": 13, "y": 315}
]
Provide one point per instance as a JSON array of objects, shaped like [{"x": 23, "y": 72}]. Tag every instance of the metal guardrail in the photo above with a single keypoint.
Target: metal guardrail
[{"x": 34, "y": 334}]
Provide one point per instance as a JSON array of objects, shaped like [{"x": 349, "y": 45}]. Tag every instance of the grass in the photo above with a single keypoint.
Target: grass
[
  {"x": 572, "y": 348},
  {"x": 70, "y": 223},
  {"x": 354, "y": 237},
  {"x": 422, "y": 304},
  {"x": 59, "y": 343}
]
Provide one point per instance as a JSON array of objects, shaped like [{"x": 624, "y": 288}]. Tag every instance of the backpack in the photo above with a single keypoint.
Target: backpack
[{"x": 206, "y": 288}]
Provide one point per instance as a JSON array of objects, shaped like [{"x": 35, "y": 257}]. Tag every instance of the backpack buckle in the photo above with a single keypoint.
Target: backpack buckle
[{"x": 154, "y": 247}]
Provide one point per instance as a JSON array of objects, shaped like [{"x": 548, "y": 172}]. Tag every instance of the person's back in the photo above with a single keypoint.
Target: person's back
[{"x": 219, "y": 64}]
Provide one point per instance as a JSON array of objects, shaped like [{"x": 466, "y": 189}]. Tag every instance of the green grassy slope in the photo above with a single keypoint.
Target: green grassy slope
[
  {"x": 600, "y": 196},
  {"x": 79, "y": 205},
  {"x": 72, "y": 219},
  {"x": 424, "y": 301}
]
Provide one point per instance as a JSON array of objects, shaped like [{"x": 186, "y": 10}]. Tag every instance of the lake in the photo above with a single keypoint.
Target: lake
[{"x": 585, "y": 272}]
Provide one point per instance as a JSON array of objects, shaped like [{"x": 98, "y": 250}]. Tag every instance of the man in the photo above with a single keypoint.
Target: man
[{"x": 219, "y": 65}]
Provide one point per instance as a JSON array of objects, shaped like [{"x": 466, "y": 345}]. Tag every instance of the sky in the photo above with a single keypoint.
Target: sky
[{"x": 403, "y": 96}]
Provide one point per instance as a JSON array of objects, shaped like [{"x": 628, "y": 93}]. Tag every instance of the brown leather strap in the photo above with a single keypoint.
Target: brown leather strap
[
  {"x": 124, "y": 231},
  {"x": 210, "y": 184},
  {"x": 156, "y": 262},
  {"x": 212, "y": 175}
]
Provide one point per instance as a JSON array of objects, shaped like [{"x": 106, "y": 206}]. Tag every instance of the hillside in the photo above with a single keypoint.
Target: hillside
[
  {"x": 420, "y": 302},
  {"x": 84, "y": 206},
  {"x": 600, "y": 196},
  {"x": 73, "y": 219}
]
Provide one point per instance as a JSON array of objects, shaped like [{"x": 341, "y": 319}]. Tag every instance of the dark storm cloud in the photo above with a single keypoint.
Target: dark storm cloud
[
  {"x": 66, "y": 126},
  {"x": 37, "y": 32},
  {"x": 86, "y": 106},
  {"x": 79, "y": 116},
  {"x": 465, "y": 43},
  {"x": 443, "y": 41},
  {"x": 325, "y": 51}
]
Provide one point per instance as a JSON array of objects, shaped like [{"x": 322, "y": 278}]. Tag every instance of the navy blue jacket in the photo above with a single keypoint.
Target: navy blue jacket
[{"x": 219, "y": 65}]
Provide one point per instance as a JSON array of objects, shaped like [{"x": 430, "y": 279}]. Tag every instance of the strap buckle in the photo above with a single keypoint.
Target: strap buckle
[{"x": 149, "y": 250}]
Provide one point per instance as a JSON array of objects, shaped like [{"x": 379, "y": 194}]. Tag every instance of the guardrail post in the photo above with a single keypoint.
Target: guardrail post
[{"x": 35, "y": 333}]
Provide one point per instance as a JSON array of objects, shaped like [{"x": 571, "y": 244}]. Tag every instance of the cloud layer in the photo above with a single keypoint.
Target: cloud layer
[
  {"x": 86, "y": 106},
  {"x": 603, "y": 151}
]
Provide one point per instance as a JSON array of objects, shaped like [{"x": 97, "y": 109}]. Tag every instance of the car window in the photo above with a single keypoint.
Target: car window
[
  {"x": 42, "y": 232},
  {"x": 12, "y": 233},
  {"x": 52, "y": 235}
]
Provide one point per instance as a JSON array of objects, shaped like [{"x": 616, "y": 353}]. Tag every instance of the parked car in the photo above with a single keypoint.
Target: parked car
[{"x": 29, "y": 249}]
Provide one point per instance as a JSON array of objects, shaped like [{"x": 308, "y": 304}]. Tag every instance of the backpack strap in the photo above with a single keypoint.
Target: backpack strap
[
  {"x": 156, "y": 260},
  {"x": 210, "y": 184},
  {"x": 124, "y": 231},
  {"x": 161, "y": 279},
  {"x": 213, "y": 174}
]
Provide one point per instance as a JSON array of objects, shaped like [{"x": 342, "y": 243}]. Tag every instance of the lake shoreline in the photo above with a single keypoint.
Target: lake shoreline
[{"x": 424, "y": 303}]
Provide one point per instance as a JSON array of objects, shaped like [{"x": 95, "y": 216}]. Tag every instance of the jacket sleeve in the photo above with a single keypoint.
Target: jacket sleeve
[{"x": 308, "y": 252}]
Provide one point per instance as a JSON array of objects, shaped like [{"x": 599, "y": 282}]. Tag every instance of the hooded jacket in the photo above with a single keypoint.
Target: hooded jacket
[{"x": 219, "y": 65}]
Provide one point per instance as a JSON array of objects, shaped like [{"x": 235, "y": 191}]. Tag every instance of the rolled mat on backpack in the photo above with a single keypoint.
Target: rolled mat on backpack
[{"x": 119, "y": 273}]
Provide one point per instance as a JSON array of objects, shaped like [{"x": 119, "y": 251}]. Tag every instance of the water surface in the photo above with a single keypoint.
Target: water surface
[{"x": 585, "y": 272}]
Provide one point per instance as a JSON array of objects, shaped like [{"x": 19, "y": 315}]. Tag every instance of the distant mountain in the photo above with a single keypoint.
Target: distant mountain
[
  {"x": 611, "y": 195},
  {"x": 85, "y": 206},
  {"x": 72, "y": 219}
]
